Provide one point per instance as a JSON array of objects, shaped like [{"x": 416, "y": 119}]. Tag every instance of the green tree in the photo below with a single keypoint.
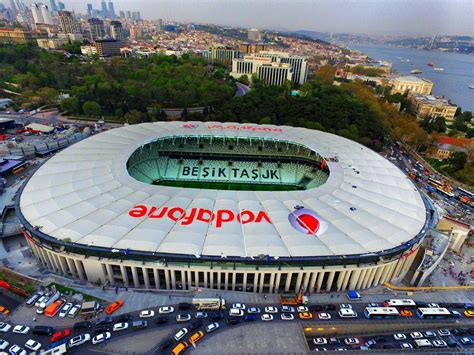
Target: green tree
[
  {"x": 244, "y": 79},
  {"x": 458, "y": 160},
  {"x": 92, "y": 109},
  {"x": 133, "y": 117},
  {"x": 48, "y": 95},
  {"x": 70, "y": 104},
  {"x": 325, "y": 74}
]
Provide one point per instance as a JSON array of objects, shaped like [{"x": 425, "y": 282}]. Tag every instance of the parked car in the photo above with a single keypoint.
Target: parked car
[
  {"x": 139, "y": 324},
  {"x": 271, "y": 309},
  {"x": 324, "y": 316},
  {"x": 74, "y": 311},
  {"x": 216, "y": 316},
  {"x": 233, "y": 320},
  {"x": 180, "y": 334},
  {"x": 79, "y": 340},
  {"x": 60, "y": 335},
  {"x": 33, "y": 345},
  {"x": 84, "y": 325},
  {"x": 102, "y": 337},
  {"x": 212, "y": 327},
  {"x": 120, "y": 326},
  {"x": 287, "y": 316},
  {"x": 183, "y": 318},
  {"x": 250, "y": 318},
  {"x": 252, "y": 310},
  {"x": 16, "y": 350},
  {"x": 185, "y": 306},
  {"x": 161, "y": 320},
  {"x": 238, "y": 306},
  {"x": 21, "y": 329},
  {"x": 111, "y": 308},
  {"x": 103, "y": 328},
  {"x": 195, "y": 325},
  {"x": 65, "y": 310},
  {"x": 200, "y": 315},
  {"x": 267, "y": 317},
  {"x": 165, "y": 310},
  {"x": 4, "y": 327},
  {"x": 104, "y": 320}
]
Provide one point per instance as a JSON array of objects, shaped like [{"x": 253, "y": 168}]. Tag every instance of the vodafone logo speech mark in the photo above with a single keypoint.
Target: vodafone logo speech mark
[
  {"x": 307, "y": 221},
  {"x": 190, "y": 125},
  {"x": 235, "y": 127},
  {"x": 218, "y": 218}
]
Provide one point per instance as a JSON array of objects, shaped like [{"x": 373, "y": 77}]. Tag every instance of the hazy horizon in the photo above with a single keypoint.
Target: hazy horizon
[{"x": 395, "y": 17}]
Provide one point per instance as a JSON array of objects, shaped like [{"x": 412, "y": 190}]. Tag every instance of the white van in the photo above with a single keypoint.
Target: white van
[
  {"x": 423, "y": 343},
  {"x": 347, "y": 313}
]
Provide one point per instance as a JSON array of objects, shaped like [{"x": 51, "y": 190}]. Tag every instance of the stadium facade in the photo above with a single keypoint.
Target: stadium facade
[{"x": 225, "y": 206}]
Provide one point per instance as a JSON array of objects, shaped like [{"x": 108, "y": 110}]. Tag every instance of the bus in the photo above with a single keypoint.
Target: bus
[
  {"x": 447, "y": 194},
  {"x": 467, "y": 193},
  {"x": 433, "y": 313},
  {"x": 435, "y": 182},
  {"x": 381, "y": 312},
  {"x": 209, "y": 303},
  {"x": 405, "y": 303}
]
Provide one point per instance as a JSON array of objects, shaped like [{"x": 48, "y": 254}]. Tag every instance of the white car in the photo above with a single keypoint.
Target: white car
[
  {"x": 16, "y": 350},
  {"x": 183, "y": 318},
  {"x": 180, "y": 335},
  {"x": 5, "y": 327},
  {"x": 211, "y": 327},
  {"x": 271, "y": 309},
  {"x": 3, "y": 344},
  {"x": 399, "y": 336},
  {"x": 351, "y": 341},
  {"x": 406, "y": 346},
  {"x": 288, "y": 309},
  {"x": 200, "y": 315},
  {"x": 165, "y": 310},
  {"x": 466, "y": 341},
  {"x": 267, "y": 317},
  {"x": 120, "y": 326},
  {"x": 79, "y": 340},
  {"x": 40, "y": 310},
  {"x": 287, "y": 316},
  {"x": 238, "y": 305},
  {"x": 302, "y": 309},
  {"x": 345, "y": 306},
  {"x": 253, "y": 310},
  {"x": 101, "y": 337},
  {"x": 439, "y": 344},
  {"x": 148, "y": 313},
  {"x": 74, "y": 310},
  {"x": 324, "y": 316},
  {"x": 444, "y": 332},
  {"x": 320, "y": 341},
  {"x": 416, "y": 335},
  {"x": 21, "y": 329},
  {"x": 65, "y": 310},
  {"x": 236, "y": 312},
  {"x": 40, "y": 300},
  {"x": 347, "y": 313},
  {"x": 33, "y": 345}
]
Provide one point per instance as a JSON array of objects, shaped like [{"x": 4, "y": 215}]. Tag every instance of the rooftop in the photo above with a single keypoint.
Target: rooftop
[{"x": 413, "y": 79}]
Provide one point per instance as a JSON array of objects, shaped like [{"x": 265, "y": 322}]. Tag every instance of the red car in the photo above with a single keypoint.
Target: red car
[
  {"x": 60, "y": 335},
  {"x": 113, "y": 307}
]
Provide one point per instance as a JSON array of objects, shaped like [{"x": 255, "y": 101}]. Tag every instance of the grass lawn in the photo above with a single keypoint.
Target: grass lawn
[
  {"x": 71, "y": 291},
  {"x": 18, "y": 281}
]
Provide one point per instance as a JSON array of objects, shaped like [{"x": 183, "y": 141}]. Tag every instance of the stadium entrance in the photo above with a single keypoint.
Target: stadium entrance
[{"x": 226, "y": 163}]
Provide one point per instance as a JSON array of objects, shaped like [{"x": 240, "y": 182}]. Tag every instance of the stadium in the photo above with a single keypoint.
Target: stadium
[{"x": 226, "y": 206}]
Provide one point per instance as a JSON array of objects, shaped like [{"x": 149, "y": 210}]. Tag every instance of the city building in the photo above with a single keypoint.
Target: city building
[
  {"x": 53, "y": 6},
  {"x": 250, "y": 48},
  {"x": 121, "y": 225},
  {"x": 223, "y": 54},
  {"x": 136, "y": 32},
  {"x": 458, "y": 232},
  {"x": 17, "y": 35},
  {"x": 445, "y": 146},
  {"x": 68, "y": 22},
  {"x": 36, "y": 12},
  {"x": 412, "y": 85},
  {"x": 61, "y": 6},
  {"x": 88, "y": 50},
  {"x": 103, "y": 9},
  {"x": 136, "y": 16},
  {"x": 96, "y": 28},
  {"x": 122, "y": 14},
  {"x": 46, "y": 14},
  {"x": 255, "y": 35},
  {"x": 268, "y": 72},
  {"x": 90, "y": 9},
  {"x": 431, "y": 106},
  {"x": 52, "y": 43},
  {"x": 116, "y": 30},
  {"x": 111, "y": 11},
  {"x": 159, "y": 24},
  {"x": 108, "y": 47},
  {"x": 128, "y": 15}
]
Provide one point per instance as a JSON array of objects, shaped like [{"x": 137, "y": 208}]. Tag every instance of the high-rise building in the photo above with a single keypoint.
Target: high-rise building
[
  {"x": 53, "y": 5},
  {"x": 61, "y": 6},
  {"x": 128, "y": 15},
  {"x": 116, "y": 30},
  {"x": 223, "y": 54},
  {"x": 255, "y": 35},
  {"x": 47, "y": 18},
  {"x": 249, "y": 48},
  {"x": 36, "y": 12},
  {"x": 13, "y": 5},
  {"x": 2, "y": 7},
  {"x": 96, "y": 28},
  {"x": 108, "y": 47},
  {"x": 103, "y": 9},
  {"x": 111, "y": 11},
  {"x": 122, "y": 14},
  {"x": 136, "y": 32},
  {"x": 68, "y": 22},
  {"x": 159, "y": 24},
  {"x": 90, "y": 10},
  {"x": 136, "y": 16}
]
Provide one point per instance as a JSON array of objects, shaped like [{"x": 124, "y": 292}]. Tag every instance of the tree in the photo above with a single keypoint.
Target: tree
[
  {"x": 48, "y": 95},
  {"x": 92, "y": 109},
  {"x": 133, "y": 117},
  {"x": 265, "y": 120},
  {"x": 70, "y": 104},
  {"x": 325, "y": 74},
  {"x": 458, "y": 160},
  {"x": 244, "y": 79}
]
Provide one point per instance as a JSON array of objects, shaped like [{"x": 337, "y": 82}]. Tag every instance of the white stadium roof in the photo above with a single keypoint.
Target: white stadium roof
[{"x": 85, "y": 194}]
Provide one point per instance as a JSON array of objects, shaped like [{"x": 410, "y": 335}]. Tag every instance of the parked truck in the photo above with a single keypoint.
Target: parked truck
[
  {"x": 211, "y": 304},
  {"x": 291, "y": 299},
  {"x": 90, "y": 309}
]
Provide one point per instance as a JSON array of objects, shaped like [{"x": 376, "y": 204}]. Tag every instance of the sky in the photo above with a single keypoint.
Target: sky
[{"x": 385, "y": 17}]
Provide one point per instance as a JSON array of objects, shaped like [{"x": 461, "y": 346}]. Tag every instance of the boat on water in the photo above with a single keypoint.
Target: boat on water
[
  {"x": 471, "y": 86},
  {"x": 430, "y": 65},
  {"x": 416, "y": 71},
  {"x": 438, "y": 69}
]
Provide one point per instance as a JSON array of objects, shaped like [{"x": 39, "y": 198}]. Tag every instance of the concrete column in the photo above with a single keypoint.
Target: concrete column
[
  {"x": 255, "y": 282},
  {"x": 386, "y": 273},
  {"x": 244, "y": 282},
  {"x": 219, "y": 280},
  {"x": 190, "y": 280},
  {"x": 378, "y": 275},
  {"x": 288, "y": 281},
  {"x": 156, "y": 276},
  {"x": 123, "y": 270},
  {"x": 167, "y": 279},
  {"x": 53, "y": 262},
  {"x": 72, "y": 267},
  {"x": 277, "y": 282},
  {"x": 330, "y": 280},
  {"x": 398, "y": 268},
  {"x": 196, "y": 278},
  {"x": 206, "y": 284},
  {"x": 346, "y": 279},
  {"x": 110, "y": 274},
  {"x": 354, "y": 279},
  {"x": 173, "y": 279},
  {"x": 212, "y": 280},
  {"x": 226, "y": 282},
  {"x": 46, "y": 260},
  {"x": 299, "y": 279},
  {"x": 80, "y": 270},
  {"x": 272, "y": 282},
  {"x": 183, "y": 280},
  {"x": 391, "y": 271},
  {"x": 340, "y": 279},
  {"x": 361, "y": 278},
  {"x": 234, "y": 280},
  {"x": 262, "y": 278},
  {"x": 368, "y": 277},
  {"x": 312, "y": 282},
  {"x": 320, "y": 280},
  {"x": 146, "y": 278},
  {"x": 136, "y": 281}
]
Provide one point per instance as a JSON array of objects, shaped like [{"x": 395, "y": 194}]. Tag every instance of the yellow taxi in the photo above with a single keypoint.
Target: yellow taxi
[
  {"x": 196, "y": 337},
  {"x": 469, "y": 313},
  {"x": 406, "y": 313},
  {"x": 180, "y": 348},
  {"x": 305, "y": 315}
]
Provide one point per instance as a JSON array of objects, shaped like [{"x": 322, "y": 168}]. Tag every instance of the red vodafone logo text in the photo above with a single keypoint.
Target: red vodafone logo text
[{"x": 178, "y": 214}]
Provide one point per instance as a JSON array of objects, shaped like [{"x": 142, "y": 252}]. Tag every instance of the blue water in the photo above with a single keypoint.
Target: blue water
[{"x": 452, "y": 83}]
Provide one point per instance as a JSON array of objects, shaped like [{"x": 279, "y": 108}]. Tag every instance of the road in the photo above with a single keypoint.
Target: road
[{"x": 151, "y": 344}]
